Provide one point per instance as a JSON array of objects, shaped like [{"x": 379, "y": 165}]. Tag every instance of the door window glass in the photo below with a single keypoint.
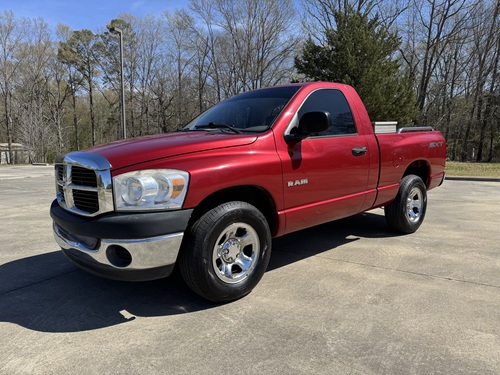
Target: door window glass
[{"x": 334, "y": 102}]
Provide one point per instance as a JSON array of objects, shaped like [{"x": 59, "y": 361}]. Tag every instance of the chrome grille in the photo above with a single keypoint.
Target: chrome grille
[
  {"x": 86, "y": 200},
  {"x": 59, "y": 171},
  {"x": 59, "y": 178},
  {"x": 83, "y": 176},
  {"x": 83, "y": 184}
]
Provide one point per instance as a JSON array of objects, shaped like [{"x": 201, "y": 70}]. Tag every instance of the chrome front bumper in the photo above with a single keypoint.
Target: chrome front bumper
[{"x": 119, "y": 259}]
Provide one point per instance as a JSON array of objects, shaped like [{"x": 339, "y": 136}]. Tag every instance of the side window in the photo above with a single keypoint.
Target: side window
[{"x": 334, "y": 102}]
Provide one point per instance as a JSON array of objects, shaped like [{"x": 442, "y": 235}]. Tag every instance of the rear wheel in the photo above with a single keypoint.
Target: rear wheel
[
  {"x": 407, "y": 212},
  {"x": 226, "y": 252}
]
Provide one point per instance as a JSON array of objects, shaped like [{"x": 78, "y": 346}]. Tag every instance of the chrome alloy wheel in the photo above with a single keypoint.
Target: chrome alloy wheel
[
  {"x": 414, "y": 204},
  {"x": 236, "y": 253}
]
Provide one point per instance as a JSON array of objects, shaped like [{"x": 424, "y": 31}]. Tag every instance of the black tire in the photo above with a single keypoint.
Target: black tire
[
  {"x": 226, "y": 252},
  {"x": 407, "y": 212}
]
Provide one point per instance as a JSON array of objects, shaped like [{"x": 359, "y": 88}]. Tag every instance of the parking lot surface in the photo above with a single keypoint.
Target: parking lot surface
[{"x": 348, "y": 297}]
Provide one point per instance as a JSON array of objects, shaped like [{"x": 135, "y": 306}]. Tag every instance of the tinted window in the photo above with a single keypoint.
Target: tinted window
[
  {"x": 334, "y": 102},
  {"x": 252, "y": 111}
]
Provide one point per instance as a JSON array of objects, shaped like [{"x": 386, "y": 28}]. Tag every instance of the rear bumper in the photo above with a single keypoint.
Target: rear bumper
[{"x": 130, "y": 247}]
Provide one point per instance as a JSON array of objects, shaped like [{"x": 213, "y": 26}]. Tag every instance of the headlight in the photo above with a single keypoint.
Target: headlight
[{"x": 152, "y": 189}]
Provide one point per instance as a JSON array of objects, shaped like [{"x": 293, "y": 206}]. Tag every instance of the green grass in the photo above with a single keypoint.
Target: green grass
[{"x": 454, "y": 168}]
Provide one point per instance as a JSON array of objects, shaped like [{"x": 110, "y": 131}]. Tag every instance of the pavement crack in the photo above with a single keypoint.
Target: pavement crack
[
  {"x": 415, "y": 273},
  {"x": 36, "y": 283},
  {"x": 446, "y": 278}
]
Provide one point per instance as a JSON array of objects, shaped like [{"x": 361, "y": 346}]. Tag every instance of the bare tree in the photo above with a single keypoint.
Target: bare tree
[
  {"x": 178, "y": 64},
  {"x": 150, "y": 42},
  {"x": 60, "y": 90},
  {"x": 81, "y": 51},
  {"x": 204, "y": 11},
  {"x": 179, "y": 35},
  {"x": 202, "y": 66},
  {"x": 442, "y": 21},
  {"x": 487, "y": 61},
  {"x": 12, "y": 34},
  {"x": 492, "y": 111},
  {"x": 34, "y": 78},
  {"x": 251, "y": 42},
  {"x": 319, "y": 14}
]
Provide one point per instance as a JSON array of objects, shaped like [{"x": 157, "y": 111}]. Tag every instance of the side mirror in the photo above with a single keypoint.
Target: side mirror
[
  {"x": 314, "y": 122},
  {"x": 309, "y": 123}
]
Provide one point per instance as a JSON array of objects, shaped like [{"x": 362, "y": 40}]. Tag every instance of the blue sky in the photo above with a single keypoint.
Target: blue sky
[{"x": 87, "y": 14}]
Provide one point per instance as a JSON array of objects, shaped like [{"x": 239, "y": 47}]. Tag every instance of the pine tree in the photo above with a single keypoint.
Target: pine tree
[{"x": 361, "y": 53}]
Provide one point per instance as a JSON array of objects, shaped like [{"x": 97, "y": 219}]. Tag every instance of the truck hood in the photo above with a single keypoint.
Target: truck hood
[{"x": 139, "y": 150}]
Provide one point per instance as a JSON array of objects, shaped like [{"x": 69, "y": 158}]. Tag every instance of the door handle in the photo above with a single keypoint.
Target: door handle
[{"x": 358, "y": 151}]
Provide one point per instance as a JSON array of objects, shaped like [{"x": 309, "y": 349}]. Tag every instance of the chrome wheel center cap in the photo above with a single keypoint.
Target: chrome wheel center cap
[{"x": 230, "y": 250}]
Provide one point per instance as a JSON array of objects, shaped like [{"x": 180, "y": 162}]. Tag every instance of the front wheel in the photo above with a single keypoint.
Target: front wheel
[
  {"x": 407, "y": 212},
  {"x": 226, "y": 252}
]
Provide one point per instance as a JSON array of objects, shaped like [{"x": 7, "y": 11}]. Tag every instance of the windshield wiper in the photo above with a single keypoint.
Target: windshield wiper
[{"x": 213, "y": 125}]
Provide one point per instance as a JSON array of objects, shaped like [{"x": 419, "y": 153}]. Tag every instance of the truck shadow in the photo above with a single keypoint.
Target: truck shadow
[
  {"x": 315, "y": 240},
  {"x": 46, "y": 293}
]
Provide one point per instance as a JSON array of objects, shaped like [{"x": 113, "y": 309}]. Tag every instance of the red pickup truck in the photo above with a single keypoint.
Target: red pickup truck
[{"x": 211, "y": 196}]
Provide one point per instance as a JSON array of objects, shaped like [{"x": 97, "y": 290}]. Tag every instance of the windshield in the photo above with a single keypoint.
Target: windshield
[{"x": 252, "y": 111}]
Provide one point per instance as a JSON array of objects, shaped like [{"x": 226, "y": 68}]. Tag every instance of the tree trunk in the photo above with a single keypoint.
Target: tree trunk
[{"x": 75, "y": 122}]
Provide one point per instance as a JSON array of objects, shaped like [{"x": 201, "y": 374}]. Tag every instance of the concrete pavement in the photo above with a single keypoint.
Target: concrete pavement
[{"x": 348, "y": 297}]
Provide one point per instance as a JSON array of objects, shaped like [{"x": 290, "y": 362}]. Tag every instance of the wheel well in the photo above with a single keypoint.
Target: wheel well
[
  {"x": 254, "y": 195},
  {"x": 419, "y": 168}
]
